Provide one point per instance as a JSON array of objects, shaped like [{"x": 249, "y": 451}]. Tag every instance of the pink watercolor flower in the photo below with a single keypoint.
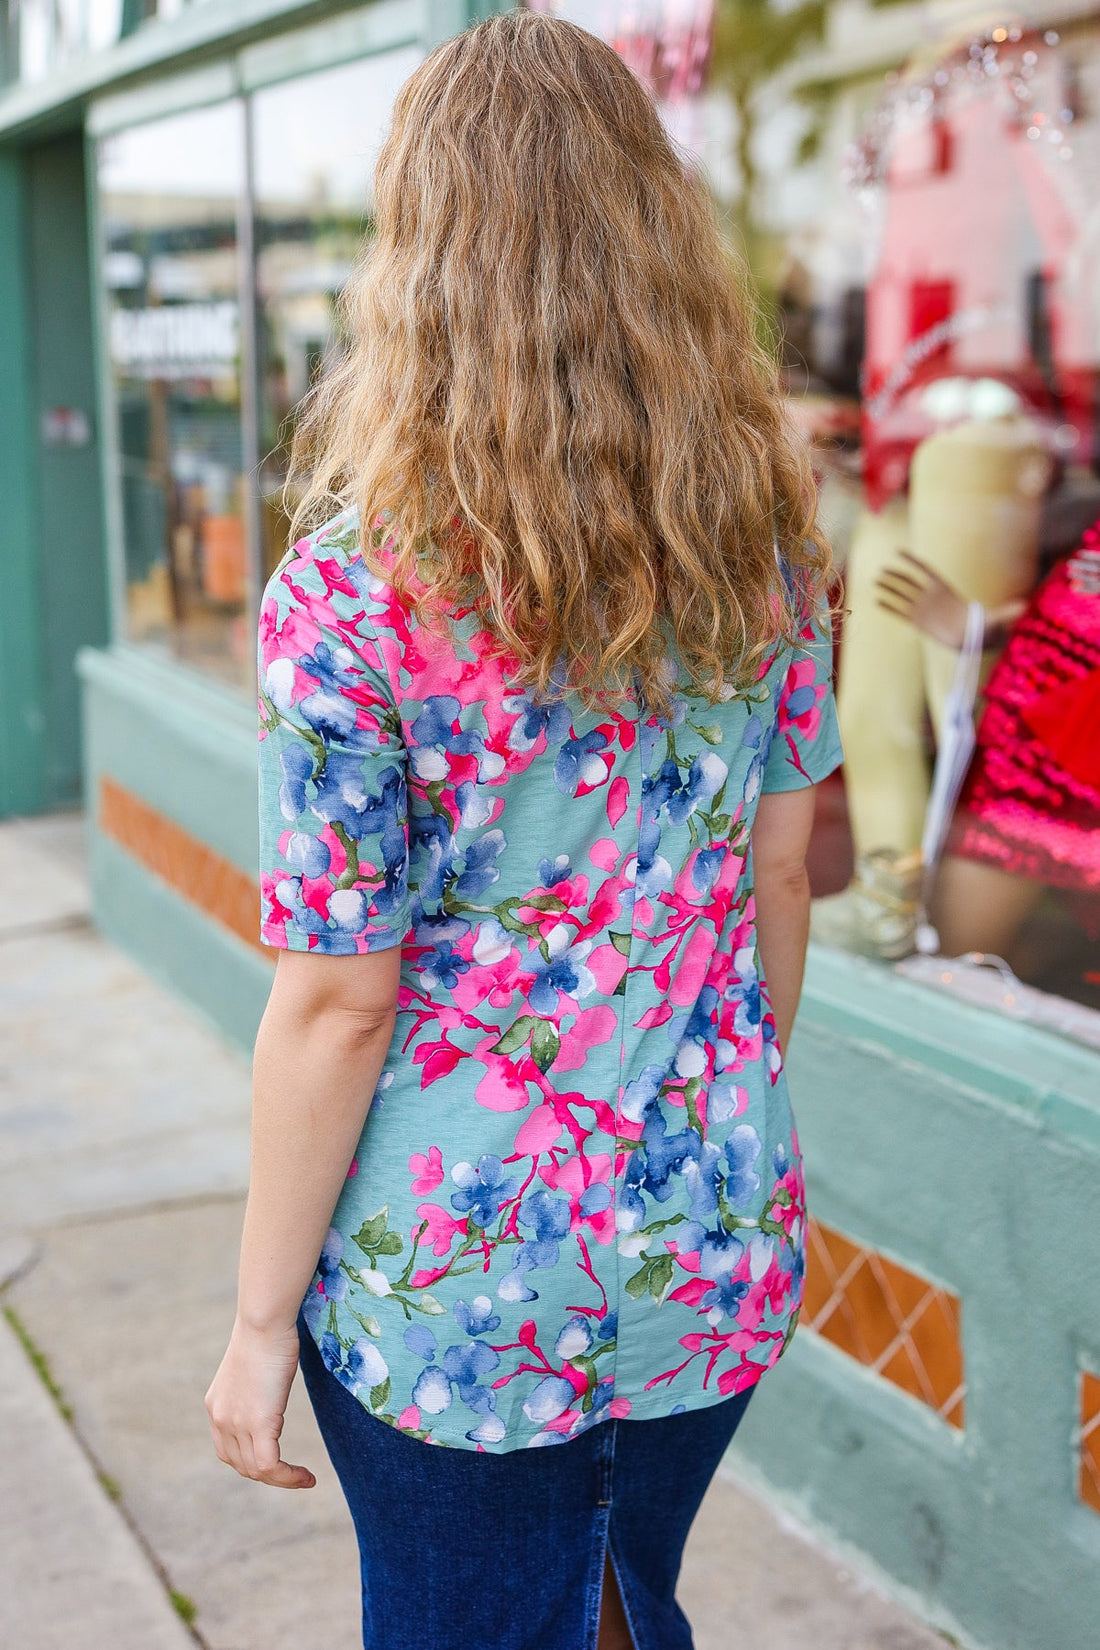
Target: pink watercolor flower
[
  {"x": 575, "y": 1176},
  {"x": 800, "y": 699},
  {"x": 618, "y": 793},
  {"x": 655, "y": 1016},
  {"x": 593, "y": 1027},
  {"x": 427, "y": 1171},
  {"x": 504, "y": 1085},
  {"x": 687, "y": 981},
  {"x": 604, "y": 854},
  {"x": 441, "y": 1230},
  {"x": 538, "y": 1132},
  {"x": 437, "y": 1059},
  {"x": 608, "y": 965}
]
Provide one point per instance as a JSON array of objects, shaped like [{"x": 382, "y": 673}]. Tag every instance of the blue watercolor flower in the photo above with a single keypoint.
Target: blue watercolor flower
[
  {"x": 554, "y": 871},
  {"x": 480, "y": 870},
  {"x": 420, "y": 1340},
  {"x": 565, "y": 972},
  {"x": 476, "y": 1317},
  {"x": 742, "y": 1150},
  {"x": 548, "y": 1399},
  {"x": 534, "y": 719},
  {"x": 577, "y": 762},
  {"x": 481, "y": 1191}
]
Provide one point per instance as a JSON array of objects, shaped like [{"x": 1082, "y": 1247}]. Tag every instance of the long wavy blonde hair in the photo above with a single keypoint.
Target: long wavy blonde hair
[{"x": 552, "y": 392}]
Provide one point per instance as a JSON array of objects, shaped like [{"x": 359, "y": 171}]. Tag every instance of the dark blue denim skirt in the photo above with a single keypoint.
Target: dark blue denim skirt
[{"x": 506, "y": 1552}]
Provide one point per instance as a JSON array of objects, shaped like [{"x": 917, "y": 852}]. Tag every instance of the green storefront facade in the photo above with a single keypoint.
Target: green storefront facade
[{"x": 936, "y": 1417}]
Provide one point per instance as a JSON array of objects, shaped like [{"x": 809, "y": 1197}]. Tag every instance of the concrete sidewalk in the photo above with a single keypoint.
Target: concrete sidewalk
[{"x": 123, "y": 1155}]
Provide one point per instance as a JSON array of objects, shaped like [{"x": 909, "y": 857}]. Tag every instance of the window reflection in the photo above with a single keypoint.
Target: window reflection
[
  {"x": 42, "y": 36},
  {"x": 928, "y": 240},
  {"x": 171, "y": 195},
  {"x": 312, "y": 208}
]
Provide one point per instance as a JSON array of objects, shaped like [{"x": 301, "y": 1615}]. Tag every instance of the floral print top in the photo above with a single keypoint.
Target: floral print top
[{"x": 578, "y": 1191}]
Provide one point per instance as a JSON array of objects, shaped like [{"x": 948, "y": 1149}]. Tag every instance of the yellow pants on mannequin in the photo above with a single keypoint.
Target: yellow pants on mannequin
[{"x": 973, "y": 515}]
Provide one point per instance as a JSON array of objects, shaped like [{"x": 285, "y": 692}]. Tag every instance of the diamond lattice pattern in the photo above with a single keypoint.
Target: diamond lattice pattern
[
  {"x": 1089, "y": 1488},
  {"x": 195, "y": 870},
  {"x": 902, "y": 1326}
]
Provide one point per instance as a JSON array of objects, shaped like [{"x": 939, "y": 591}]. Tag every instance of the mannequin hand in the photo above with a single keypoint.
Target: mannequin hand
[
  {"x": 1084, "y": 572},
  {"x": 247, "y": 1401},
  {"x": 912, "y": 590}
]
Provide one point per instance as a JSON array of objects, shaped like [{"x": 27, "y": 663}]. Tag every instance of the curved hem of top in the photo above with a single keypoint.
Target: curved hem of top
[{"x": 523, "y": 1438}]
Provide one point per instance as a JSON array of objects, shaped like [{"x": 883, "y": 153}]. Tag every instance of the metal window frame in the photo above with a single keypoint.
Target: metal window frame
[{"x": 371, "y": 32}]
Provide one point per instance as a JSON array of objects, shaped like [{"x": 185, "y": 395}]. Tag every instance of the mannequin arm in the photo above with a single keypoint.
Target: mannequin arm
[{"x": 913, "y": 591}]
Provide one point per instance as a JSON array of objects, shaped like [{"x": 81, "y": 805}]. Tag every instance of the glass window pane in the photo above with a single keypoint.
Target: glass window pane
[
  {"x": 42, "y": 36},
  {"x": 171, "y": 193},
  {"x": 925, "y": 235},
  {"x": 312, "y": 203},
  {"x": 928, "y": 240}
]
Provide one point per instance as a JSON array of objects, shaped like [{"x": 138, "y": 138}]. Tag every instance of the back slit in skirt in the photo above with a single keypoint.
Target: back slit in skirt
[{"x": 461, "y": 1550}]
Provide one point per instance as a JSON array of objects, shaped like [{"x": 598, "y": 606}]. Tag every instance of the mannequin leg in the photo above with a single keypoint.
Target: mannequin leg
[
  {"x": 978, "y": 907},
  {"x": 880, "y": 698}
]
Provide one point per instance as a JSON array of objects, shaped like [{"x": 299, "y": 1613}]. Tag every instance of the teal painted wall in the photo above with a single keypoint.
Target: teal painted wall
[
  {"x": 69, "y": 505},
  {"x": 189, "y": 751},
  {"x": 55, "y": 579},
  {"x": 991, "y": 1186},
  {"x": 963, "y": 1145},
  {"x": 23, "y": 721}
]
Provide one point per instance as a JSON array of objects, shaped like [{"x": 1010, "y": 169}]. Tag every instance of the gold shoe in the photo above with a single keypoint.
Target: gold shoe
[{"x": 877, "y": 914}]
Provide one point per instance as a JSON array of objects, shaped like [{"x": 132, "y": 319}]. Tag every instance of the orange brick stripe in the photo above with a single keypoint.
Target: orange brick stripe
[
  {"x": 899, "y": 1324},
  {"x": 1089, "y": 1484},
  {"x": 204, "y": 878}
]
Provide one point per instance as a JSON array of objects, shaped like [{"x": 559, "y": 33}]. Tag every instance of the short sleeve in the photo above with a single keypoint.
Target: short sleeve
[
  {"x": 333, "y": 813},
  {"x": 805, "y": 746}
]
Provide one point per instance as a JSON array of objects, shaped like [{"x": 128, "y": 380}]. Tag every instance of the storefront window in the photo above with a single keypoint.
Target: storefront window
[
  {"x": 928, "y": 241},
  {"x": 41, "y": 36},
  {"x": 172, "y": 194},
  {"x": 312, "y": 182}
]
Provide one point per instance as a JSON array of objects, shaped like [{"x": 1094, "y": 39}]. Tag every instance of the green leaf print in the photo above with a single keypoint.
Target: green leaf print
[
  {"x": 349, "y": 876},
  {"x": 621, "y": 942},
  {"x": 370, "y": 1324},
  {"x": 660, "y": 1276},
  {"x": 515, "y": 1037},
  {"x": 638, "y": 1283},
  {"x": 392, "y": 1244},
  {"x": 370, "y": 1234},
  {"x": 692, "y": 1090},
  {"x": 379, "y": 1395},
  {"x": 545, "y": 1044}
]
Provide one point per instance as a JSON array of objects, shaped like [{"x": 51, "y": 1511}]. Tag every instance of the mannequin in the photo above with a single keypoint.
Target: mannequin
[
  {"x": 1029, "y": 814},
  {"x": 973, "y": 516}
]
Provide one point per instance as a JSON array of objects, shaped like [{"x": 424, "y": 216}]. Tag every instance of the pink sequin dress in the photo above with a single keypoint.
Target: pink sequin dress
[{"x": 1031, "y": 801}]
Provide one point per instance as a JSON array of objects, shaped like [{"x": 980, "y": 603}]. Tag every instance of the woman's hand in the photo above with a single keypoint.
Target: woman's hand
[
  {"x": 320, "y": 1050},
  {"x": 247, "y": 1401},
  {"x": 913, "y": 590}
]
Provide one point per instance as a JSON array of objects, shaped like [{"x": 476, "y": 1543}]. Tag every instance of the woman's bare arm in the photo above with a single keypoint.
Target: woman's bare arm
[
  {"x": 319, "y": 1053},
  {"x": 780, "y": 839}
]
